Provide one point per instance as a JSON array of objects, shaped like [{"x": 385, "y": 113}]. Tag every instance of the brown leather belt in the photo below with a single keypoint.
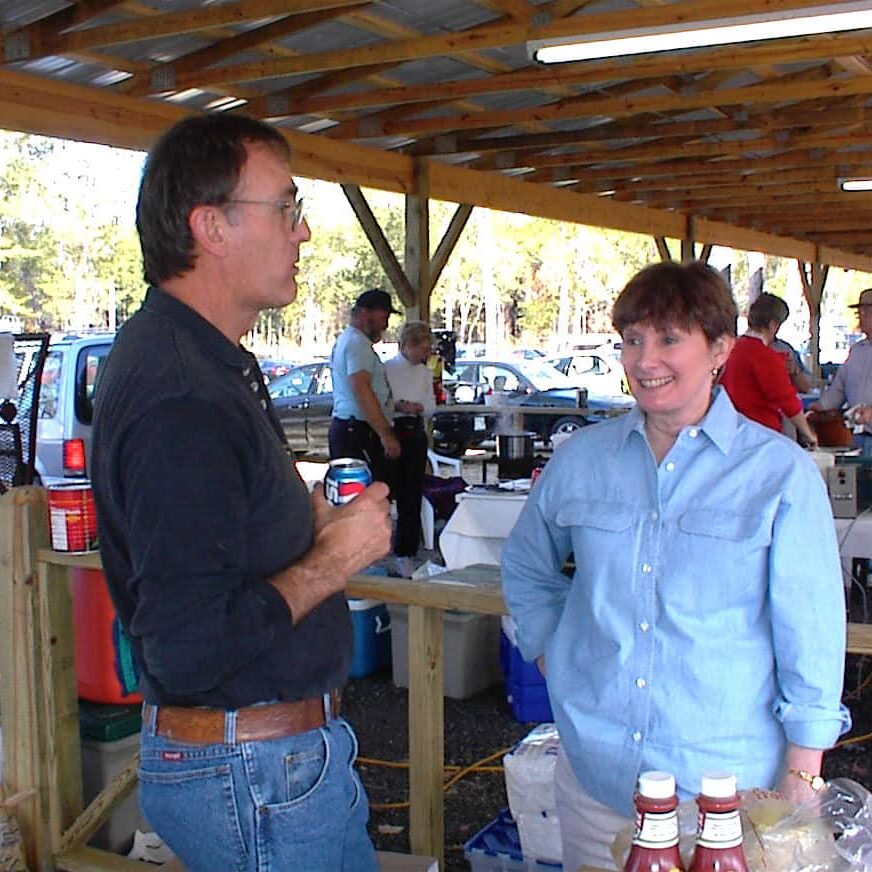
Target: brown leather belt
[{"x": 205, "y": 726}]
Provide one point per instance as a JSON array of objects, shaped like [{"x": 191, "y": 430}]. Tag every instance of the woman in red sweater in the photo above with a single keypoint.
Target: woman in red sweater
[{"x": 756, "y": 377}]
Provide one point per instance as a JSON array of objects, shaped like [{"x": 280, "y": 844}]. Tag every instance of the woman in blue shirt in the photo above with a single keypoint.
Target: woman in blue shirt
[{"x": 703, "y": 626}]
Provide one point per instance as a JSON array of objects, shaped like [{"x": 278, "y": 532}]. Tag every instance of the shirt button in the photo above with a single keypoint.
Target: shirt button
[
  {"x": 637, "y": 736},
  {"x": 644, "y": 626},
  {"x": 246, "y": 371},
  {"x": 693, "y": 433},
  {"x": 670, "y": 466},
  {"x": 654, "y": 516},
  {"x": 646, "y": 568},
  {"x": 253, "y": 385},
  {"x": 263, "y": 404},
  {"x": 640, "y": 683}
]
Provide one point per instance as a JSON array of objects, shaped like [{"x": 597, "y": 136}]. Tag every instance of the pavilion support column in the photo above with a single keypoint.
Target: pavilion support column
[
  {"x": 416, "y": 281},
  {"x": 417, "y": 258},
  {"x": 814, "y": 278},
  {"x": 688, "y": 242}
]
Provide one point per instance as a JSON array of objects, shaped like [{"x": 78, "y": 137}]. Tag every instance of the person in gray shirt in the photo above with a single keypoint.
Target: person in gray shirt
[
  {"x": 852, "y": 385},
  {"x": 362, "y": 404}
]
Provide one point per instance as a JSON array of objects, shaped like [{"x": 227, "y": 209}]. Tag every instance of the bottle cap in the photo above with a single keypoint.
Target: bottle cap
[
  {"x": 718, "y": 785},
  {"x": 657, "y": 785}
]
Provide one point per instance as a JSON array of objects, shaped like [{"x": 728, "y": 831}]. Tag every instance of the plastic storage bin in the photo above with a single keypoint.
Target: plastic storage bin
[
  {"x": 372, "y": 637},
  {"x": 498, "y": 847},
  {"x": 526, "y": 692},
  {"x": 101, "y": 762},
  {"x": 105, "y": 669},
  {"x": 471, "y": 645}
]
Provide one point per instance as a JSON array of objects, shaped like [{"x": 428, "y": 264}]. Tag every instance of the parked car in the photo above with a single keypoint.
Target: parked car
[
  {"x": 303, "y": 398},
  {"x": 520, "y": 383},
  {"x": 273, "y": 369},
  {"x": 66, "y": 406},
  {"x": 601, "y": 375}
]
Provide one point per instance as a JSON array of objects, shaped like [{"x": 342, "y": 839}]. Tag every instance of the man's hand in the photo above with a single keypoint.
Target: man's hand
[
  {"x": 348, "y": 538},
  {"x": 391, "y": 445},
  {"x": 355, "y": 534}
]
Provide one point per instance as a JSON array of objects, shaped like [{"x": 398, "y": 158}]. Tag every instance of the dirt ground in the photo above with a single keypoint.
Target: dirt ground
[{"x": 478, "y": 727}]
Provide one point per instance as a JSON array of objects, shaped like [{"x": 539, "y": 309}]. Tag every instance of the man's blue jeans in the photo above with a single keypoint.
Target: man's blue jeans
[{"x": 293, "y": 804}]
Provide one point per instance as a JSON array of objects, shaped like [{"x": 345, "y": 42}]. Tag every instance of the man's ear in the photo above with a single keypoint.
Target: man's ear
[{"x": 209, "y": 228}]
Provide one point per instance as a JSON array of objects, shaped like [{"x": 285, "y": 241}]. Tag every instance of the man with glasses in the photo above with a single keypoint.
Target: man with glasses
[
  {"x": 227, "y": 576},
  {"x": 852, "y": 384}
]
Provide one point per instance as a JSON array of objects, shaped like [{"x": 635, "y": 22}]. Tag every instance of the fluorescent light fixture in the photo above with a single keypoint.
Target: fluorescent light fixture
[
  {"x": 851, "y": 185},
  {"x": 722, "y": 31}
]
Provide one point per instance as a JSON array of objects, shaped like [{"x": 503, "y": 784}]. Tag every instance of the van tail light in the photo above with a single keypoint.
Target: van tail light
[{"x": 74, "y": 457}]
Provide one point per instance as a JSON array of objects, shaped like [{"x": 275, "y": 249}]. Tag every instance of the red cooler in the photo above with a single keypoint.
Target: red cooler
[{"x": 105, "y": 668}]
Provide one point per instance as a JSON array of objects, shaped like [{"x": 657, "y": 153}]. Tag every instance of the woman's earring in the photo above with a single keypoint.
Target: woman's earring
[{"x": 715, "y": 372}]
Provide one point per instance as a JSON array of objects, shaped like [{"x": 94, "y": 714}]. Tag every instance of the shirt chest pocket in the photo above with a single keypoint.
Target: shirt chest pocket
[
  {"x": 595, "y": 523},
  {"x": 718, "y": 528}
]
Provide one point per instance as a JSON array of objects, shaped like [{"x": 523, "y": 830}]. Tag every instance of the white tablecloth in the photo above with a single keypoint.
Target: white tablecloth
[{"x": 481, "y": 522}]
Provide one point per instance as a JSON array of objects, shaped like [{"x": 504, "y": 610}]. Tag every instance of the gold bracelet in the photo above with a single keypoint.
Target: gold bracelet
[{"x": 816, "y": 782}]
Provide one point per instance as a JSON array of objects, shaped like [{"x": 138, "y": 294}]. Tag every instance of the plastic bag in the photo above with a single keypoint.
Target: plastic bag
[{"x": 831, "y": 833}]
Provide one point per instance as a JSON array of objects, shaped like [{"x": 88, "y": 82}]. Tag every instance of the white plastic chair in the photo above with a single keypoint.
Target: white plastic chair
[{"x": 453, "y": 466}]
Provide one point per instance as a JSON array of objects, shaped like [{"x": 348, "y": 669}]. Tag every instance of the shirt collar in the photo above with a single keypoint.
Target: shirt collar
[
  {"x": 719, "y": 424},
  {"x": 207, "y": 335}
]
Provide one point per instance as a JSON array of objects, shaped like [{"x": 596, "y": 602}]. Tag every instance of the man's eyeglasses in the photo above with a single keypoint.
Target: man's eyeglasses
[{"x": 291, "y": 210}]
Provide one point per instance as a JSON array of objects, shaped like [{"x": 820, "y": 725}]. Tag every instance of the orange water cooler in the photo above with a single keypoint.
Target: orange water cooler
[{"x": 105, "y": 669}]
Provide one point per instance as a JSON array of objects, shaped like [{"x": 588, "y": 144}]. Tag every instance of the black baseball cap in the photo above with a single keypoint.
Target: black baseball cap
[{"x": 376, "y": 299}]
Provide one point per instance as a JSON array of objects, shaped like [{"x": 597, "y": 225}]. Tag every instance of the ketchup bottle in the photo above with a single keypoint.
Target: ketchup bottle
[
  {"x": 719, "y": 828},
  {"x": 655, "y": 842}
]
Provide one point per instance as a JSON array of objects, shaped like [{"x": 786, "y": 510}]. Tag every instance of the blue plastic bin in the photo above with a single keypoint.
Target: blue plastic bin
[
  {"x": 498, "y": 847},
  {"x": 372, "y": 637},
  {"x": 526, "y": 692}
]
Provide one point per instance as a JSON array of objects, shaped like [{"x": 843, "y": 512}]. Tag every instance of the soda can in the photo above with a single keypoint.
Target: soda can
[{"x": 346, "y": 478}]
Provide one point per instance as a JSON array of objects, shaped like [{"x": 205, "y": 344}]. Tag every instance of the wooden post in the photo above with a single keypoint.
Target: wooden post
[
  {"x": 417, "y": 259},
  {"x": 426, "y": 732},
  {"x": 814, "y": 278},
  {"x": 60, "y": 703},
  {"x": 23, "y": 527}
]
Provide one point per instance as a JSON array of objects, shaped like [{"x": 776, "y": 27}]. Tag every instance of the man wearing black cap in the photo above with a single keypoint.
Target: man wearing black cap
[
  {"x": 852, "y": 385},
  {"x": 361, "y": 425}
]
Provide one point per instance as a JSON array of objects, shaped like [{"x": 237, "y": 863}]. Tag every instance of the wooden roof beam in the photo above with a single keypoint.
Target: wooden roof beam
[
  {"x": 594, "y": 72},
  {"x": 176, "y": 23},
  {"x": 475, "y": 39},
  {"x": 141, "y": 85},
  {"x": 588, "y": 107}
]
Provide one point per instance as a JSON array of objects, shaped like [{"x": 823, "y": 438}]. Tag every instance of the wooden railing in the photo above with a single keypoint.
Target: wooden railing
[{"x": 40, "y": 707}]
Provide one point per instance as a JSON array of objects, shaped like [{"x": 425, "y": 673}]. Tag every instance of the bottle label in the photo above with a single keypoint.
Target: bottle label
[
  {"x": 719, "y": 829},
  {"x": 656, "y": 829}
]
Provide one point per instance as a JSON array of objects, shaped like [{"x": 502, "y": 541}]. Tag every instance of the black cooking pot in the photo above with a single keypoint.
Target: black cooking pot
[{"x": 515, "y": 454}]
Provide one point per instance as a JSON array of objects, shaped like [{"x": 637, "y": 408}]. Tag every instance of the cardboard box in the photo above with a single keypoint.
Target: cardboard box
[{"x": 471, "y": 649}]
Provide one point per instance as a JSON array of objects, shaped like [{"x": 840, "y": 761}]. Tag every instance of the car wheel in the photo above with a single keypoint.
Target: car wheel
[
  {"x": 450, "y": 447},
  {"x": 567, "y": 426}
]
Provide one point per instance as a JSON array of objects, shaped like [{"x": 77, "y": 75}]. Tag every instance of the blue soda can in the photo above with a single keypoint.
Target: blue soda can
[{"x": 346, "y": 478}]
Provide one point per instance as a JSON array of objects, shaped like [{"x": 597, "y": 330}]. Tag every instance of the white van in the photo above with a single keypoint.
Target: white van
[{"x": 66, "y": 406}]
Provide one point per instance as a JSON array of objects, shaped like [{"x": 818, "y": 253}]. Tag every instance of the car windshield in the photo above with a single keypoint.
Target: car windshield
[
  {"x": 543, "y": 376},
  {"x": 293, "y": 384}
]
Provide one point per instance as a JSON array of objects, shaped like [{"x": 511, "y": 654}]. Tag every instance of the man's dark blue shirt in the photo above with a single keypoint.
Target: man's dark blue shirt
[{"x": 198, "y": 504}]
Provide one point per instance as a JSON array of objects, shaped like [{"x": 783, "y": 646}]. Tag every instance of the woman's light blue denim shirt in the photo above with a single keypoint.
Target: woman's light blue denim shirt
[{"x": 704, "y": 625}]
